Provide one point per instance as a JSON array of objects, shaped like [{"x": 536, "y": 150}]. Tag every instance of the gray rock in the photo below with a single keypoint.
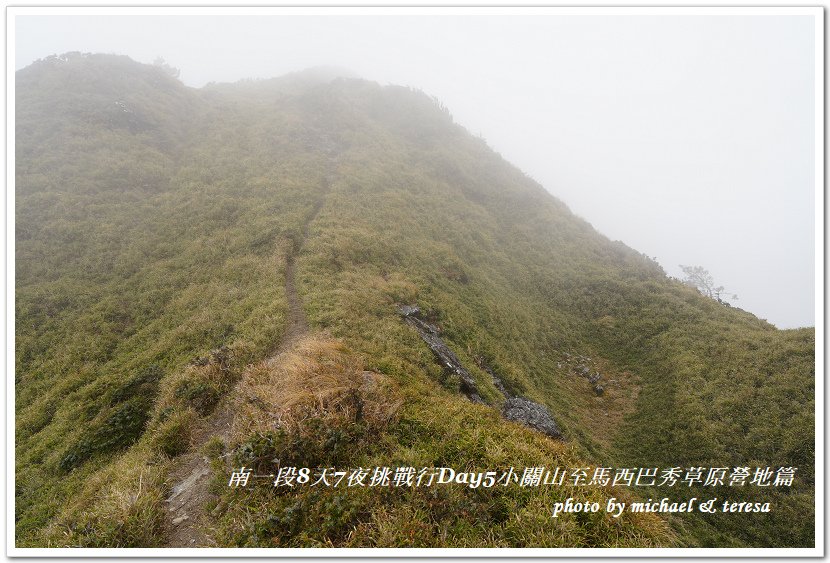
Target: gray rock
[
  {"x": 531, "y": 414},
  {"x": 447, "y": 358},
  {"x": 599, "y": 390},
  {"x": 422, "y": 325},
  {"x": 409, "y": 310}
]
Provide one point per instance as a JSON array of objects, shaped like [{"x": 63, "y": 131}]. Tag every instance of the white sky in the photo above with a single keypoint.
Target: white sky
[{"x": 689, "y": 138}]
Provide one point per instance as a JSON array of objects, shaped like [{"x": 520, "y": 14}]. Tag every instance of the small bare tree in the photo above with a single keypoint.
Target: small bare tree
[
  {"x": 162, "y": 64},
  {"x": 700, "y": 278}
]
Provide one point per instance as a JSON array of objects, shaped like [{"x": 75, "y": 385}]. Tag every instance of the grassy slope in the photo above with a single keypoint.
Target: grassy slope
[
  {"x": 520, "y": 281},
  {"x": 149, "y": 238}
]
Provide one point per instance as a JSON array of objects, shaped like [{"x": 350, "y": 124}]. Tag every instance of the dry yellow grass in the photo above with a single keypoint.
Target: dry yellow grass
[{"x": 319, "y": 378}]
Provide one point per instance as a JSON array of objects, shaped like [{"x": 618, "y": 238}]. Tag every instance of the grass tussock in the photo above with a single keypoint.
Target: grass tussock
[
  {"x": 201, "y": 384},
  {"x": 318, "y": 380}
]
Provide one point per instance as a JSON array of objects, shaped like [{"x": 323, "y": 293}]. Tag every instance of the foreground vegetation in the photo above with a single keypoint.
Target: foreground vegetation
[{"x": 154, "y": 224}]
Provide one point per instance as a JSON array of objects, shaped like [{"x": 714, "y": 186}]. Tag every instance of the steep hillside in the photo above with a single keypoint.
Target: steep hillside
[{"x": 226, "y": 277}]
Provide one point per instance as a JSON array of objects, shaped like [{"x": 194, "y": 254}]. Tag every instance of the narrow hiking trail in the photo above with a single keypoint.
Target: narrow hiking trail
[{"x": 188, "y": 520}]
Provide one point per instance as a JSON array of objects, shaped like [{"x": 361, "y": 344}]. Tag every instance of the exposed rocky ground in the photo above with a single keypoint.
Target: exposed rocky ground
[
  {"x": 581, "y": 366},
  {"x": 516, "y": 409}
]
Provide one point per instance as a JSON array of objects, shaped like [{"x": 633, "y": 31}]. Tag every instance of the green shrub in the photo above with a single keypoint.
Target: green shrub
[
  {"x": 172, "y": 436},
  {"x": 121, "y": 428},
  {"x": 201, "y": 395},
  {"x": 145, "y": 383}
]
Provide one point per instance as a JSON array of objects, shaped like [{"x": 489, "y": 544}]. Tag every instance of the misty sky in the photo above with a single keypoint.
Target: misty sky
[{"x": 689, "y": 138}]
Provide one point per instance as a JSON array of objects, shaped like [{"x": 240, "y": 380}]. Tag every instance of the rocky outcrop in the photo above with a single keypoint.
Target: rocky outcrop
[
  {"x": 516, "y": 409},
  {"x": 580, "y": 366},
  {"x": 522, "y": 410},
  {"x": 429, "y": 333},
  {"x": 531, "y": 414}
]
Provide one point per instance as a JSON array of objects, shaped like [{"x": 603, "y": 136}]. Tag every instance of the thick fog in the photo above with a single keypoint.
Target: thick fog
[{"x": 689, "y": 138}]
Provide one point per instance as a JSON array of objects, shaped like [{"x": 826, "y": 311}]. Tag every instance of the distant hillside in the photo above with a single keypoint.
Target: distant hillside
[{"x": 267, "y": 274}]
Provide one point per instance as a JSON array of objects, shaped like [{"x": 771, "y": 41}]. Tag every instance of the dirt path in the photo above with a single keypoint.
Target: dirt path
[{"x": 188, "y": 519}]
